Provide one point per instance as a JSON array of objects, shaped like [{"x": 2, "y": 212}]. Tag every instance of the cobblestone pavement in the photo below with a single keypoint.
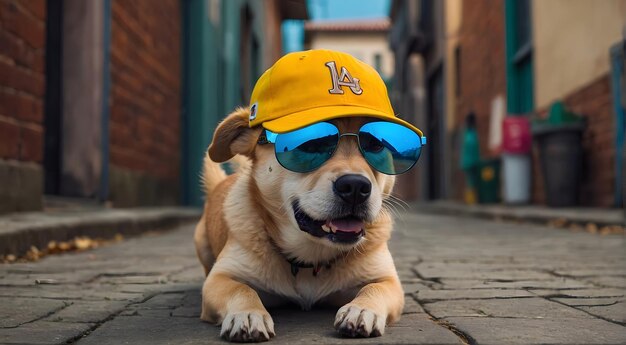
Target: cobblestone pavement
[{"x": 466, "y": 281}]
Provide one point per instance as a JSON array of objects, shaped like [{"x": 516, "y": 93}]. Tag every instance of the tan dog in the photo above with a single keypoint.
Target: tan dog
[{"x": 257, "y": 249}]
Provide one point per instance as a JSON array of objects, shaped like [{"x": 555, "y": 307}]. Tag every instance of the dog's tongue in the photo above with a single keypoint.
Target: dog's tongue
[{"x": 346, "y": 224}]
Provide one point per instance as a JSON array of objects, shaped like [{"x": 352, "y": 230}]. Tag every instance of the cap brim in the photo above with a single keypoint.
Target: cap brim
[{"x": 310, "y": 116}]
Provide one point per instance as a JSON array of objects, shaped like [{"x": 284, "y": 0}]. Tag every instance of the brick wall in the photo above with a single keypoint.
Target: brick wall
[
  {"x": 22, "y": 92},
  {"x": 22, "y": 82},
  {"x": 595, "y": 102},
  {"x": 145, "y": 88},
  {"x": 482, "y": 74}
]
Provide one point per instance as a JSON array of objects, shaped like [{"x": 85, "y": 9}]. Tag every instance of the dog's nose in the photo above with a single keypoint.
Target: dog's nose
[{"x": 353, "y": 189}]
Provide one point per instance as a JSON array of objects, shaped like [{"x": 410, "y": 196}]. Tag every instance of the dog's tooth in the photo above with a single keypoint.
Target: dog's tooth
[{"x": 325, "y": 228}]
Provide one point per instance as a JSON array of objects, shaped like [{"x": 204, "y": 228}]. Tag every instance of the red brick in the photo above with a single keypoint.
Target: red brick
[
  {"x": 129, "y": 81},
  {"x": 22, "y": 107},
  {"x": 9, "y": 140},
  {"x": 10, "y": 45},
  {"x": 17, "y": 20},
  {"x": 146, "y": 129},
  {"x": 20, "y": 79},
  {"x": 15, "y": 49},
  {"x": 127, "y": 158},
  {"x": 122, "y": 96},
  {"x": 36, "y": 7},
  {"x": 122, "y": 135},
  {"x": 130, "y": 24},
  {"x": 123, "y": 114},
  {"x": 39, "y": 64},
  {"x": 31, "y": 148}
]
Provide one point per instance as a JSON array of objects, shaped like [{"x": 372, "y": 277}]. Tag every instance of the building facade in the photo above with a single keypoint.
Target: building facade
[
  {"x": 112, "y": 101},
  {"x": 572, "y": 43},
  {"x": 461, "y": 58},
  {"x": 366, "y": 40}
]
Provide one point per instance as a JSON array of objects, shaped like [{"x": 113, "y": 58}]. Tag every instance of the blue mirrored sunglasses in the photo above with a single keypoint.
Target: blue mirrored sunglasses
[{"x": 388, "y": 147}]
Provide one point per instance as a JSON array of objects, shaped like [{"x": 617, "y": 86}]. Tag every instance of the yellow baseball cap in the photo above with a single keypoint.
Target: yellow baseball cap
[{"x": 306, "y": 87}]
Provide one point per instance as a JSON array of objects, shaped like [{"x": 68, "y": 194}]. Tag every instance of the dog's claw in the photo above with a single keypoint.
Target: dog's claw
[
  {"x": 247, "y": 327},
  {"x": 353, "y": 321}
]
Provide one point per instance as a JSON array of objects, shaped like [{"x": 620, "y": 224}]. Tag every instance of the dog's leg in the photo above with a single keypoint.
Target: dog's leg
[
  {"x": 203, "y": 249},
  {"x": 237, "y": 307},
  {"x": 374, "y": 306}
]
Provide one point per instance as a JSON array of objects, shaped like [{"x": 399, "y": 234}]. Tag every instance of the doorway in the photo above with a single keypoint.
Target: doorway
[
  {"x": 53, "y": 111},
  {"x": 435, "y": 130},
  {"x": 76, "y": 103}
]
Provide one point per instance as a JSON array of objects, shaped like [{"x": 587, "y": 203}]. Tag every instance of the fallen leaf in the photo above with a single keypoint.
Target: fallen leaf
[{"x": 591, "y": 228}]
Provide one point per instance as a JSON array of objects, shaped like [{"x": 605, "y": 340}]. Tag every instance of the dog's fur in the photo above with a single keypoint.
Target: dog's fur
[{"x": 248, "y": 229}]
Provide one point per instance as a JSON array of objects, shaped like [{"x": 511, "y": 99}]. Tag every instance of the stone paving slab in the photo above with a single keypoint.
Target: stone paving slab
[
  {"x": 553, "y": 283},
  {"x": 296, "y": 327},
  {"x": 500, "y": 275},
  {"x": 411, "y": 306},
  {"x": 530, "y": 213},
  {"x": 498, "y": 331},
  {"x": 581, "y": 293},
  {"x": 29, "y": 279},
  {"x": 587, "y": 302},
  {"x": 154, "y": 330},
  {"x": 614, "y": 312},
  {"x": 292, "y": 327},
  {"x": 609, "y": 281},
  {"x": 531, "y": 308},
  {"x": 434, "y": 295},
  {"x": 609, "y": 308},
  {"x": 95, "y": 293},
  {"x": 87, "y": 311},
  {"x": 43, "y": 332},
  {"x": 593, "y": 272},
  {"x": 414, "y": 286},
  {"x": 466, "y": 280},
  {"x": 17, "y": 311}
]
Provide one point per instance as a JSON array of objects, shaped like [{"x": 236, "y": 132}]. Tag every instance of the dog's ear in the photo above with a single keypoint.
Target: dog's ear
[{"x": 233, "y": 136}]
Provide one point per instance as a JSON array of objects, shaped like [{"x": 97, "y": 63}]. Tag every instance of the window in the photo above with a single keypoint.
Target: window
[{"x": 378, "y": 62}]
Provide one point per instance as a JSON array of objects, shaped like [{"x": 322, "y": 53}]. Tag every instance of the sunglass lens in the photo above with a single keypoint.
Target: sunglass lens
[
  {"x": 306, "y": 149},
  {"x": 389, "y": 147}
]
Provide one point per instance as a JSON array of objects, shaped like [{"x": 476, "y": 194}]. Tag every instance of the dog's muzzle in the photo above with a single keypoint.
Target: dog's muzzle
[{"x": 345, "y": 230}]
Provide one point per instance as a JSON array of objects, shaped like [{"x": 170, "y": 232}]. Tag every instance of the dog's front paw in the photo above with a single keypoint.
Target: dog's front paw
[
  {"x": 247, "y": 327},
  {"x": 354, "y": 321}
]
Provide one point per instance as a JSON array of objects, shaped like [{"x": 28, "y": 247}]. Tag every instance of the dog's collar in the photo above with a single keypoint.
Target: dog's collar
[{"x": 296, "y": 264}]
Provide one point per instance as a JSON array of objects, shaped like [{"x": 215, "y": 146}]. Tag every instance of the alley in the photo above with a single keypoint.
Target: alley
[{"x": 466, "y": 281}]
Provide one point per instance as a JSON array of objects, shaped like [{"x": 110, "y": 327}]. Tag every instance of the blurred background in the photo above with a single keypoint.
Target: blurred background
[{"x": 113, "y": 102}]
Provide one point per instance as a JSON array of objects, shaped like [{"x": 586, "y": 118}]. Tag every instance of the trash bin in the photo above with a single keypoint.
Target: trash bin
[
  {"x": 624, "y": 181},
  {"x": 472, "y": 185},
  {"x": 559, "y": 139},
  {"x": 516, "y": 162},
  {"x": 489, "y": 183}
]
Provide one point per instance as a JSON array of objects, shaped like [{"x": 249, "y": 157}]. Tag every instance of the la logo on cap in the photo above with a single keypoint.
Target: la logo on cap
[{"x": 345, "y": 79}]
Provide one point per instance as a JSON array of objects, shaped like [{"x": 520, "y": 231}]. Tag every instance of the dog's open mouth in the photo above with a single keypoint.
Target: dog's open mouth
[{"x": 346, "y": 230}]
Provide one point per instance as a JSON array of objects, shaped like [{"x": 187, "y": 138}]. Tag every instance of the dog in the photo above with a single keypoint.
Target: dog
[{"x": 270, "y": 236}]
